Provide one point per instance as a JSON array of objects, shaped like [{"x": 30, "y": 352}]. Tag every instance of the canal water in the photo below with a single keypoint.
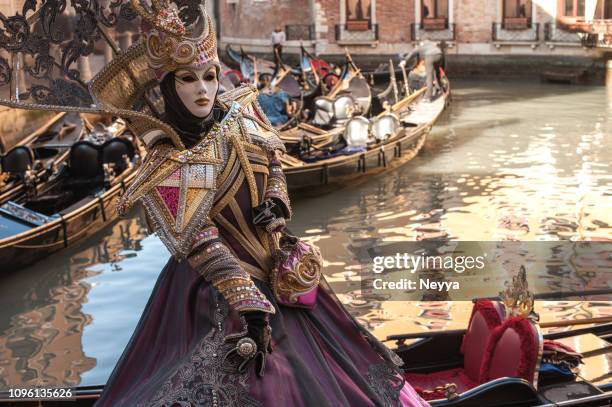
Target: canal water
[{"x": 507, "y": 161}]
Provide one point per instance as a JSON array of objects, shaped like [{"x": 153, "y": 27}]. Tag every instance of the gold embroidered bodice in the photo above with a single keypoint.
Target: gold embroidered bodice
[{"x": 200, "y": 200}]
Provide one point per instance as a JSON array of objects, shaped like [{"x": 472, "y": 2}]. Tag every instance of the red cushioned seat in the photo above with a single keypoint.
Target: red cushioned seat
[
  {"x": 486, "y": 316},
  {"x": 513, "y": 350}
]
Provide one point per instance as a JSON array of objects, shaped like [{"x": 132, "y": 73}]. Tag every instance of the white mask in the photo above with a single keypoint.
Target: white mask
[{"x": 197, "y": 89}]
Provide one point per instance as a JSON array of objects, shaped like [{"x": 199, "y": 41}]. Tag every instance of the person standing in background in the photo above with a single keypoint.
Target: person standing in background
[
  {"x": 431, "y": 54},
  {"x": 278, "y": 40}
]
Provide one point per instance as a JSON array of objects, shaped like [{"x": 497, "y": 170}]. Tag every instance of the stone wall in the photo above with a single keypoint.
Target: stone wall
[
  {"x": 255, "y": 20},
  {"x": 474, "y": 20},
  {"x": 328, "y": 16},
  {"x": 394, "y": 18}
]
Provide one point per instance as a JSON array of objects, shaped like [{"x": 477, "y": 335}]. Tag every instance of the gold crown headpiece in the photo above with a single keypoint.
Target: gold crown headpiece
[{"x": 171, "y": 42}]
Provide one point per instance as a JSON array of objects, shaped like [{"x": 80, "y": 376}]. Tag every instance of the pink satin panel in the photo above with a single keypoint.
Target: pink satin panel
[
  {"x": 309, "y": 299},
  {"x": 410, "y": 398},
  {"x": 170, "y": 196}
]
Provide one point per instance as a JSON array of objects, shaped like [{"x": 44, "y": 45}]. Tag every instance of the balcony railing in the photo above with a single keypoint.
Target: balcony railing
[
  {"x": 356, "y": 36},
  {"x": 599, "y": 34},
  {"x": 597, "y": 40},
  {"x": 556, "y": 33},
  {"x": 529, "y": 34},
  {"x": 604, "y": 41},
  {"x": 420, "y": 33},
  {"x": 300, "y": 32}
]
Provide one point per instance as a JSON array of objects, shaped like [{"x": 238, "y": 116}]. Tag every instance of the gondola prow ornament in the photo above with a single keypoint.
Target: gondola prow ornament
[{"x": 517, "y": 298}]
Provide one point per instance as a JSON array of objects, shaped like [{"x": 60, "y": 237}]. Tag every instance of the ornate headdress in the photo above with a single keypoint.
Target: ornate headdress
[
  {"x": 176, "y": 37},
  {"x": 173, "y": 36}
]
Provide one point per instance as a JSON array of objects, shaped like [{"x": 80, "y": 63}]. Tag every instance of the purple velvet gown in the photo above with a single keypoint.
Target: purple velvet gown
[{"x": 321, "y": 357}]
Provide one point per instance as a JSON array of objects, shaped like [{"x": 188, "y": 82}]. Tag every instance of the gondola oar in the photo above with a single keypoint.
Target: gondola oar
[
  {"x": 558, "y": 295},
  {"x": 603, "y": 326},
  {"x": 307, "y": 66},
  {"x": 393, "y": 81},
  {"x": 405, "y": 75},
  {"x": 406, "y": 101},
  {"x": 560, "y": 324},
  {"x": 351, "y": 71}
]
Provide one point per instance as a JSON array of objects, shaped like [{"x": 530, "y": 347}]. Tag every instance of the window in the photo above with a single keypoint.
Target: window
[
  {"x": 570, "y": 14},
  {"x": 434, "y": 14},
  {"x": 358, "y": 15},
  {"x": 517, "y": 14},
  {"x": 357, "y": 22},
  {"x": 573, "y": 8}
]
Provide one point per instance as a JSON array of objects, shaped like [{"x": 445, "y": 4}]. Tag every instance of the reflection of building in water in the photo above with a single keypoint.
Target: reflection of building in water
[
  {"x": 408, "y": 206},
  {"x": 43, "y": 346},
  {"x": 349, "y": 240},
  {"x": 42, "y": 321},
  {"x": 434, "y": 315}
]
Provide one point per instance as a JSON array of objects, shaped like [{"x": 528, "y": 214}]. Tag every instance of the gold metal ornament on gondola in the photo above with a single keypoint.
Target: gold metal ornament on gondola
[{"x": 517, "y": 298}]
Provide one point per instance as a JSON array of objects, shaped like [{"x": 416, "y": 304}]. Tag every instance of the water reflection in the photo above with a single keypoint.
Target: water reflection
[
  {"x": 43, "y": 320},
  {"x": 507, "y": 162}
]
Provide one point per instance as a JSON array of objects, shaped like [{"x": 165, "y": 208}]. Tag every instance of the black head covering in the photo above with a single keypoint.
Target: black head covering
[{"x": 188, "y": 126}]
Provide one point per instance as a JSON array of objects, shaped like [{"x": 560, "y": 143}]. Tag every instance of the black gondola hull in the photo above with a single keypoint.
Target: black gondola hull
[
  {"x": 331, "y": 174},
  {"x": 72, "y": 227}
]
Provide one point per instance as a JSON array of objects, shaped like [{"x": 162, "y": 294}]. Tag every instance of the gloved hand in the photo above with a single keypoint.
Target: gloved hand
[
  {"x": 269, "y": 215},
  {"x": 259, "y": 329},
  {"x": 253, "y": 345}
]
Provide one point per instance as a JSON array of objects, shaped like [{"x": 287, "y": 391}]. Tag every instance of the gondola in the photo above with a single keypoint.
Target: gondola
[
  {"x": 380, "y": 75},
  {"x": 26, "y": 165},
  {"x": 282, "y": 98},
  {"x": 312, "y": 74},
  {"x": 367, "y": 146},
  {"x": 305, "y": 93},
  {"x": 502, "y": 358},
  {"x": 80, "y": 202},
  {"x": 307, "y": 60},
  {"x": 350, "y": 95},
  {"x": 281, "y": 94},
  {"x": 251, "y": 69}
]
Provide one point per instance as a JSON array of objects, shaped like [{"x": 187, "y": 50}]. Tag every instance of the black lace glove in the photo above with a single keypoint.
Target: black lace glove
[
  {"x": 269, "y": 215},
  {"x": 252, "y": 345}
]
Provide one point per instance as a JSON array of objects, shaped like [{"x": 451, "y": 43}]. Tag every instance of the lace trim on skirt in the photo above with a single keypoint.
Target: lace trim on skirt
[{"x": 203, "y": 380}]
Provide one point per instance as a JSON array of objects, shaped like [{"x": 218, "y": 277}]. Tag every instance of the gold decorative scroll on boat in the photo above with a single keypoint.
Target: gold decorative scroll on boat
[{"x": 517, "y": 298}]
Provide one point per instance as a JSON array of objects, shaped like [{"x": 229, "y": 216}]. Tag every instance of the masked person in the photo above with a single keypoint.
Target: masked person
[
  {"x": 218, "y": 329},
  {"x": 431, "y": 55}
]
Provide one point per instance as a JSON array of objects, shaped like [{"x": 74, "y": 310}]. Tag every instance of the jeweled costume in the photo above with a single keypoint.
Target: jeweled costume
[{"x": 200, "y": 200}]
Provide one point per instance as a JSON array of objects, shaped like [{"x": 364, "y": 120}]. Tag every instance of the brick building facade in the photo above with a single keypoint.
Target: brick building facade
[
  {"x": 505, "y": 37},
  {"x": 484, "y": 37}
]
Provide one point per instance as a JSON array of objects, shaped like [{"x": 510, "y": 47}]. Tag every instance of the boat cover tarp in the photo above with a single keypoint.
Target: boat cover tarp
[
  {"x": 274, "y": 106},
  {"x": 348, "y": 150}
]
